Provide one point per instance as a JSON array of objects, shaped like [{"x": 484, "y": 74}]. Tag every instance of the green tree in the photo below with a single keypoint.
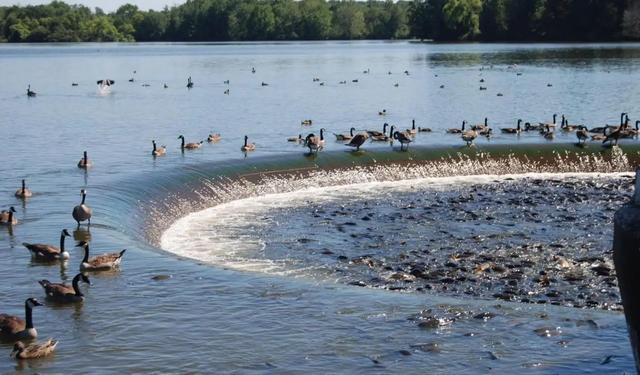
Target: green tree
[
  {"x": 348, "y": 21},
  {"x": 463, "y": 17},
  {"x": 493, "y": 20},
  {"x": 315, "y": 20}
]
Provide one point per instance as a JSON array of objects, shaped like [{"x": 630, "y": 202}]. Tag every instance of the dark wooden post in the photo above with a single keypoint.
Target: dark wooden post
[{"x": 626, "y": 257}]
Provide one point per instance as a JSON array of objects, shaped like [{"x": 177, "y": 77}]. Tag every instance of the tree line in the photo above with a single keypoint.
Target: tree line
[{"x": 251, "y": 20}]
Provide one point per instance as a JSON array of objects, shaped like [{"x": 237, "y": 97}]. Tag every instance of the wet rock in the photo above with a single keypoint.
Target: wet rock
[
  {"x": 161, "y": 277},
  {"x": 431, "y": 347},
  {"x": 547, "y": 331},
  {"x": 484, "y": 316}
]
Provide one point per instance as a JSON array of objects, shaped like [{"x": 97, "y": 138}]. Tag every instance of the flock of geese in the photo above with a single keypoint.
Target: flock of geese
[
  {"x": 22, "y": 332},
  {"x": 607, "y": 134}
]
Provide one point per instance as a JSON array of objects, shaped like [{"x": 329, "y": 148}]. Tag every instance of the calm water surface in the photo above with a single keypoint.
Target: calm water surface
[{"x": 207, "y": 318}]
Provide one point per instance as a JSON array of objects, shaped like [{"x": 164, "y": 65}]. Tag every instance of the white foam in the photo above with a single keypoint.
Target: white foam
[{"x": 223, "y": 234}]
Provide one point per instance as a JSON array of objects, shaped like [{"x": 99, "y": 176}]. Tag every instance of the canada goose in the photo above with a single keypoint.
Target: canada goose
[
  {"x": 226, "y": 92},
  {"x": 85, "y": 162},
  {"x": 131, "y": 79},
  {"x": 403, "y": 138},
  {"x": 264, "y": 84},
  {"x": 23, "y": 192},
  {"x": 306, "y": 122},
  {"x": 548, "y": 133},
  {"x": 226, "y": 82},
  {"x": 582, "y": 134},
  {"x": 13, "y": 328},
  {"x": 189, "y": 83},
  {"x": 551, "y": 124},
  {"x": 190, "y": 145},
  {"x": 469, "y": 136},
  {"x": 413, "y": 130},
  {"x": 82, "y": 212},
  {"x": 101, "y": 262},
  {"x": 30, "y": 93},
  {"x": 345, "y": 137},
  {"x": 600, "y": 137},
  {"x": 247, "y": 146},
  {"x": 382, "y": 137},
  {"x": 253, "y": 70},
  {"x": 483, "y": 88},
  {"x": 530, "y": 127},
  {"x": 8, "y": 217},
  {"x": 375, "y": 133},
  {"x": 166, "y": 86},
  {"x": 486, "y": 132},
  {"x": 627, "y": 132},
  {"x": 63, "y": 293},
  {"x": 406, "y": 72},
  {"x": 49, "y": 252},
  {"x": 214, "y": 137},
  {"x": 383, "y": 112},
  {"x": 479, "y": 127},
  {"x": 74, "y": 84},
  {"x": 598, "y": 129},
  {"x": 613, "y": 136},
  {"x": 358, "y": 140},
  {"x": 297, "y": 139},
  {"x": 158, "y": 151},
  {"x": 34, "y": 350},
  {"x": 396, "y": 84},
  {"x": 565, "y": 125},
  {"x": 515, "y": 130},
  {"x": 313, "y": 143},
  {"x": 456, "y": 130}
]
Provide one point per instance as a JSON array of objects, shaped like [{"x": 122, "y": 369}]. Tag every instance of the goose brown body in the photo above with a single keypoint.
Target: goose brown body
[
  {"x": 82, "y": 212},
  {"x": 49, "y": 252},
  {"x": 64, "y": 293},
  {"x": 13, "y": 328},
  {"x": 23, "y": 192},
  {"x": 8, "y": 217},
  {"x": 102, "y": 262}
]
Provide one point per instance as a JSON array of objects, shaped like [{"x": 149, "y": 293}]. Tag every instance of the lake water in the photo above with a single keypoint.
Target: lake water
[{"x": 272, "y": 307}]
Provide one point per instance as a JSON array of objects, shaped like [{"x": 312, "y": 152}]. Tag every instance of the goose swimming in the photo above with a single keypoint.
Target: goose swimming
[
  {"x": 456, "y": 130},
  {"x": 13, "y": 328},
  {"x": 376, "y": 133},
  {"x": 515, "y": 130},
  {"x": 82, "y": 212},
  {"x": 63, "y": 293},
  {"x": 158, "y": 151},
  {"x": 345, "y": 137},
  {"x": 85, "y": 163},
  {"x": 101, "y": 262},
  {"x": 49, "y": 252},
  {"x": 23, "y": 192},
  {"x": 247, "y": 146},
  {"x": 7, "y": 217},
  {"x": 30, "y": 93},
  {"x": 190, "y": 145}
]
